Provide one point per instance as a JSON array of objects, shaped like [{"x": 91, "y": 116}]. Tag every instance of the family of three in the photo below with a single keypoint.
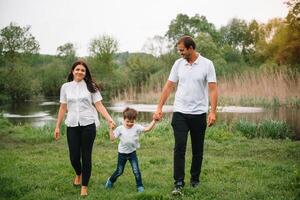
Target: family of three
[{"x": 80, "y": 98}]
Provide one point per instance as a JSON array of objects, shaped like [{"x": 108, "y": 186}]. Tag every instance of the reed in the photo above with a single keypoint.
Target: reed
[{"x": 252, "y": 88}]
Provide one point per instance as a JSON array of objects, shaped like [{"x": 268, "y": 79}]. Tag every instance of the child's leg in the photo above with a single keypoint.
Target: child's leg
[
  {"x": 135, "y": 169},
  {"x": 120, "y": 167}
]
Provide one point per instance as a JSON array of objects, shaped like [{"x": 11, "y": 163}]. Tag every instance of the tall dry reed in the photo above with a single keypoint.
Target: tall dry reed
[{"x": 255, "y": 85}]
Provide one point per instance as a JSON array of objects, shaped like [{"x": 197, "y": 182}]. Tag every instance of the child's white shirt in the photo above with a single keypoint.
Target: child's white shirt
[{"x": 129, "y": 137}]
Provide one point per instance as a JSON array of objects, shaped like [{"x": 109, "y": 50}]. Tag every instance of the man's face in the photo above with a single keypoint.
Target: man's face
[{"x": 183, "y": 51}]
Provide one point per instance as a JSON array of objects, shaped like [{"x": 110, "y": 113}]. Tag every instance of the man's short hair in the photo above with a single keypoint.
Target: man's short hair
[{"x": 187, "y": 42}]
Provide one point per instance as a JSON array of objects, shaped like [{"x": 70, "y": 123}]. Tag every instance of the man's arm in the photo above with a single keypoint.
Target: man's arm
[
  {"x": 213, "y": 94},
  {"x": 169, "y": 86}
]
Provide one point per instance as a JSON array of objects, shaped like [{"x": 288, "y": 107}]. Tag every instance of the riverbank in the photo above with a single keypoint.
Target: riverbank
[{"x": 34, "y": 166}]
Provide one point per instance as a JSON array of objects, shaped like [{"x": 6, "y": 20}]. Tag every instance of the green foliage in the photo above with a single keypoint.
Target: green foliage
[
  {"x": 184, "y": 25},
  {"x": 274, "y": 129},
  {"x": 141, "y": 66},
  {"x": 219, "y": 133},
  {"x": 265, "y": 129},
  {"x": 52, "y": 77},
  {"x": 103, "y": 49},
  {"x": 67, "y": 52},
  {"x": 248, "y": 129},
  {"x": 20, "y": 83},
  {"x": 15, "y": 40}
]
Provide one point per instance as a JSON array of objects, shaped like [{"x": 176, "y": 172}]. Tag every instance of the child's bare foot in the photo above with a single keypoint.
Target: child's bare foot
[
  {"x": 77, "y": 180},
  {"x": 83, "y": 191}
]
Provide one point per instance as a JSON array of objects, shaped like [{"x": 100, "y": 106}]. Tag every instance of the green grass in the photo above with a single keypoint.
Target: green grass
[{"x": 33, "y": 166}]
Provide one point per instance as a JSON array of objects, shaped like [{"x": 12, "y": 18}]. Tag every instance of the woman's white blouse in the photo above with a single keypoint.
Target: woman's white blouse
[{"x": 79, "y": 100}]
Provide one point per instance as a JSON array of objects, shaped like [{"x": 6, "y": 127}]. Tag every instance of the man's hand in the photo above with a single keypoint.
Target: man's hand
[
  {"x": 56, "y": 133},
  {"x": 211, "y": 119},
  {"x": 157, "y": 115}
]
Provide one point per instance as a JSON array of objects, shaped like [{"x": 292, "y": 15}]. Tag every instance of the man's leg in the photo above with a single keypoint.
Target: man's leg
[
  {"x": 180, "y": 128},
  {"x": 197, "y": 125}
]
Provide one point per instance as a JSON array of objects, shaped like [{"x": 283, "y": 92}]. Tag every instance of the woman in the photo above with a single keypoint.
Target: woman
[{"x": 77, "y": 97}]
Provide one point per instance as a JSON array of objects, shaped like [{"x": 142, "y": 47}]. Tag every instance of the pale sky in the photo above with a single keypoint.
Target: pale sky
[{"x": 131, "y": 22}]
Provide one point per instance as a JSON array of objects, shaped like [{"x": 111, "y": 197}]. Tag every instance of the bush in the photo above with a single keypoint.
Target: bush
[
  {"x": 20, "y": 83},
  {"x": 265, "y": 129}
]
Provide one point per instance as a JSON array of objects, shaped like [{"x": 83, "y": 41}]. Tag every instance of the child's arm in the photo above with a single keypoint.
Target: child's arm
[
  {"x": 150, "y": 126},
  {"x": 111, "y": 134}
]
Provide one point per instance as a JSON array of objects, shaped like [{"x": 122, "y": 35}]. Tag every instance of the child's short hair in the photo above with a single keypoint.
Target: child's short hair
[{"x": 129, "y": 113}]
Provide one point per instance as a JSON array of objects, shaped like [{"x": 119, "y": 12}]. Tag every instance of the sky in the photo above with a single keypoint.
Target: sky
[{"x": 130, "y": 22}]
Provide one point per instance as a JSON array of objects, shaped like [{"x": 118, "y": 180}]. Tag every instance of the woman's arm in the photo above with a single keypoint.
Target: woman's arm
[
  {"x": 61, "y": 113},
  {"x": 101, "y": 109},
  {"x": 111, "y": 134}
]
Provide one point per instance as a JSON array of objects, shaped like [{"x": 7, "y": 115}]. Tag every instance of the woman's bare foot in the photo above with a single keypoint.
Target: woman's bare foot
[
  {"x": 77, "y": 180},
  {"x": 83, "y": 191}
]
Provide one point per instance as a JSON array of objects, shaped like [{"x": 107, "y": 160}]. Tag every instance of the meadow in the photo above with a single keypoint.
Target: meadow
[{"x": 236, "y": 165}]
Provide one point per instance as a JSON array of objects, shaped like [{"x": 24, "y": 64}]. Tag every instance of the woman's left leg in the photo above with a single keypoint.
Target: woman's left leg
[{"x": 87, "y": 139}]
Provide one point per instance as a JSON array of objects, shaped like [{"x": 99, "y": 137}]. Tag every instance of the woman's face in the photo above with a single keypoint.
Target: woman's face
[{"x": 79, "y": 73}]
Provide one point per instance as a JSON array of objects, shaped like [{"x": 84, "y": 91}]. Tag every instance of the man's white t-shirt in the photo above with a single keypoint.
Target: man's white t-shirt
[
  {"x": 192, "y": 90},
  {"x": 129, "y": 137}
]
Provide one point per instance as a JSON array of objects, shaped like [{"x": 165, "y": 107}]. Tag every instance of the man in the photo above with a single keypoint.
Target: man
[{"x": 195, "y": 76}]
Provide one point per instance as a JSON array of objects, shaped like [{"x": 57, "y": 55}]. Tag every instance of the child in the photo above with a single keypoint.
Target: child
[{"x": 128, "y": 133}]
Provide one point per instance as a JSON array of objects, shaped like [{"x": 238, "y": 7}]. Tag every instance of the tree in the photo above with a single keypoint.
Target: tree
[
  {"x": 141, "y": 66},
  {"x": 234, "y": 33},
  {"x": 67, "y": 52},
  {"x": 16, "y": 40},
  {"x": 157, "y": 46},
  {"x": 293, "y": 17},
  {"x": 184, "y": 25},
  {"x": 103, "y": 48}
]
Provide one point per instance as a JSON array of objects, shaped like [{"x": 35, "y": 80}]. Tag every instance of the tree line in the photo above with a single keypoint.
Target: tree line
[{"x": 234, "y": 48}]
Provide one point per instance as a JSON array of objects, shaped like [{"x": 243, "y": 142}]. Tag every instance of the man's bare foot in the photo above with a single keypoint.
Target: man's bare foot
[
  {"x": 77, "y": 180},
  {"x": 83, "y": 191}
]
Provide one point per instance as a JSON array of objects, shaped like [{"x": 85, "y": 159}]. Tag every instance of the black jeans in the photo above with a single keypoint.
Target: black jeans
[
  {"x": 196, "y": 125},
  {"x": 122, "y": 159},
  {"x": 80, "y": 142}
]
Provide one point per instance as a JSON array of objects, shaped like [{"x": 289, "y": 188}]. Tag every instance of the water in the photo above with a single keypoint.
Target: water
[{"x": 39, "y": 113}]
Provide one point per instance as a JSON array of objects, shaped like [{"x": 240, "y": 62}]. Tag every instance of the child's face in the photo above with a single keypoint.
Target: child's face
[{"x": 128, "y": 123}]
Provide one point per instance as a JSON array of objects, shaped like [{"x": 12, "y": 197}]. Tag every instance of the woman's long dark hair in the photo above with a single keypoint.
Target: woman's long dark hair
[{"x": 91, "y": 85}]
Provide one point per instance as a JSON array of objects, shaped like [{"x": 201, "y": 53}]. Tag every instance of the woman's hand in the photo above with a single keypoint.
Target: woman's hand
[
  {"x": 56, "y": 134},
  {"x": 112, "y": 124}
]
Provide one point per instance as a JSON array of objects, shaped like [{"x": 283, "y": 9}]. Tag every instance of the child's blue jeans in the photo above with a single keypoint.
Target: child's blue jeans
[{"x": 122, "y": 159}]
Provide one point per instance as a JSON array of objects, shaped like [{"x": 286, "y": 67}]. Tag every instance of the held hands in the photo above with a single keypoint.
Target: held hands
[
  {"x": 112, "y": 124},
  {"x": 56, "y": 134},
  {"x": 157, "y": 115},
  {"x": 211, "y": 119}
]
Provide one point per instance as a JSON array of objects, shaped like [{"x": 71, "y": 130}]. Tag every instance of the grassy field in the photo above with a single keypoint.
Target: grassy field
[{"x": 33, "y": 166}]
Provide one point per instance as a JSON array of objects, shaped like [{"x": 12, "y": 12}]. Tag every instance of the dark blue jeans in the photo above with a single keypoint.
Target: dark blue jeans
[
  {"x": 183, "y": 124},
  {"x": 122, "y": 159}
]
